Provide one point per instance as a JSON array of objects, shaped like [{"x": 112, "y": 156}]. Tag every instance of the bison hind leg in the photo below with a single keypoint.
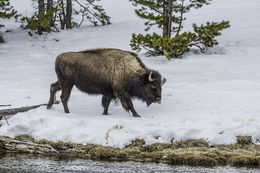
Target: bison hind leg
[
  {"x": 66, "y": 88},
  {"x": 105, "y": 103},
  {"x": 53, "y": 89}
]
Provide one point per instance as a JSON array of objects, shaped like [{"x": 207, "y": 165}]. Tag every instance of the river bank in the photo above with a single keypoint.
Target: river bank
[{"x": 191, "y": 152}]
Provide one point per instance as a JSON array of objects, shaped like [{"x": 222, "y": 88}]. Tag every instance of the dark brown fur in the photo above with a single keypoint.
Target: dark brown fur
[{"x": 111, "y": 72}]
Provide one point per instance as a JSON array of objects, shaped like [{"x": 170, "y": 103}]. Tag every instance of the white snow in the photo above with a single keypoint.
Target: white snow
[{"x": 215, "y": 97}]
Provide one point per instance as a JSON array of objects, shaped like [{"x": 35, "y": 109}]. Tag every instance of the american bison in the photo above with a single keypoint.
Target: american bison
[{"x": 113, "y": 73}]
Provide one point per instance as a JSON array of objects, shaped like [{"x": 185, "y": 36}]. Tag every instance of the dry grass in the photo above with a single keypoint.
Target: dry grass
[{"x": 191, "y": 152}]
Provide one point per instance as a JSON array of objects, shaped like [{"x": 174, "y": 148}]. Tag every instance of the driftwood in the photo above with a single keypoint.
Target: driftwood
[
  {"x": 4, "y": 105},
  {"x": 14, "y": 111}
]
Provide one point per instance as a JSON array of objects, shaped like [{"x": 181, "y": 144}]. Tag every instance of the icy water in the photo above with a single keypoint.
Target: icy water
[{"x": 24, "y": 164}]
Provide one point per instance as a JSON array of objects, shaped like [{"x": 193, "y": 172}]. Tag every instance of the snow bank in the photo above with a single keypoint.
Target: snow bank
[{"x": 213, "y": 97}]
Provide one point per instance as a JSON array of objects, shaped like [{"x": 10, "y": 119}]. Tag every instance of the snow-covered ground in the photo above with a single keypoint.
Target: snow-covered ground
[{"x": 215, "y": 97}]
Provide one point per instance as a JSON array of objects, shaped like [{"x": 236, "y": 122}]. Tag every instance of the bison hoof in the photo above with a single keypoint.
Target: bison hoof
[
  {"x": 136, "y": 115},
  {"x": 105, "y": 113},
  {"x": 49, "y": 106}
]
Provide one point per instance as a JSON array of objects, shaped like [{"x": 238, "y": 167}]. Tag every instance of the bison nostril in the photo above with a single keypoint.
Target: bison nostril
[{"x": 158, "y": 99}]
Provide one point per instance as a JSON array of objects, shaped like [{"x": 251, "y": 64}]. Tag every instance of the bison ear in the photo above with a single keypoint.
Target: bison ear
[{"x": 163, "y": 81}]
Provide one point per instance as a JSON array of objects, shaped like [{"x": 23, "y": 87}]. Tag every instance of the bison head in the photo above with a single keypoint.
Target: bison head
[{"x": 153, "y": 87}]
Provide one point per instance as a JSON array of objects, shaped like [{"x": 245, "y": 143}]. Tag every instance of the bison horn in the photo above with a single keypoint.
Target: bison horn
[{"x": 150, "y": 77}]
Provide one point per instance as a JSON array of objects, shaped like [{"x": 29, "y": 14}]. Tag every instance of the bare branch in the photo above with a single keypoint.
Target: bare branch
[
  {"x": 14, "y": 111},
  {"x": 94, "y": 14},
  {"x": 5, "y": 105}
]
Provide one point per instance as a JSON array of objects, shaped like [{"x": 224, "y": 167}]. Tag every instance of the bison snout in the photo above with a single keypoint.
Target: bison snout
[{"x": 158, "y": 100}]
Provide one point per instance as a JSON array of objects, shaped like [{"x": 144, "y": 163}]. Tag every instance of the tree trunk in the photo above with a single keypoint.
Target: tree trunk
[
  {"x": 68, "y": 14},
  {"x": 49, "y": 5},
  {"x": 41, "y": 12},
  {"x": 167, "y": 19},
  {"x": 62, "y": 15},
  {"x": 181, "y": 18},
  {"x": 40, "y": 6},
  {"x": 49, "y": 9}
]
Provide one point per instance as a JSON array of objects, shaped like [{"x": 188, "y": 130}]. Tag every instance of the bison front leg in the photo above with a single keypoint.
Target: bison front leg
[
  {"x": 128, "y": 104},
  {"x": 54, "y": 88},
  {"x": 65, "y": 95},
  {"x": 105, "y": 103}
]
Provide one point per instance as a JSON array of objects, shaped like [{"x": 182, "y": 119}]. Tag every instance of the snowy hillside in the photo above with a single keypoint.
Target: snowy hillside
[{"x": 215, "y": 97}]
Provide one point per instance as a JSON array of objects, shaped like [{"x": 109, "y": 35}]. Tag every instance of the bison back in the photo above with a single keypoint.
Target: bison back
[{"x": 99, "y": 71}]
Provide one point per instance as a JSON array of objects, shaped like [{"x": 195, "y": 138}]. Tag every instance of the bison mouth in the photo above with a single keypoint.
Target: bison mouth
[
  {"x": 149, "y": 102},
  {"x": 157, "y": 101}
]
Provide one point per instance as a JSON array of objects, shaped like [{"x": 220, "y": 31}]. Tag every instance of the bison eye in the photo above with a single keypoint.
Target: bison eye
[{"x": 153, "y": 87}]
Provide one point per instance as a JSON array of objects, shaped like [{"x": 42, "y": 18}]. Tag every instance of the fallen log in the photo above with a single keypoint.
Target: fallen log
[
  {"x": 14, "y": 111},
  {"x": 5, "y": 105}
]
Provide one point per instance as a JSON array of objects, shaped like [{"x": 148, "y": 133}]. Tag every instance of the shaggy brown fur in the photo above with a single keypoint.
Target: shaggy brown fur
[{"x": 111, "y": 72}]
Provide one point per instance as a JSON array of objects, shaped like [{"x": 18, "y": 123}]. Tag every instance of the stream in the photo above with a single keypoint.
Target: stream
[{"x": 25, "y": 163}]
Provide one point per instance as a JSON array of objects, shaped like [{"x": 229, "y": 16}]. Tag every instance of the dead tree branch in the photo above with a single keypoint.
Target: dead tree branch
[
  {"x": 4, "y": 105},
  {"x": 14, "y": 111}
]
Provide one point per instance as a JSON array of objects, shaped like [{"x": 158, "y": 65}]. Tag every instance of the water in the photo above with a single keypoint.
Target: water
[{"x": 24, "y": 164}]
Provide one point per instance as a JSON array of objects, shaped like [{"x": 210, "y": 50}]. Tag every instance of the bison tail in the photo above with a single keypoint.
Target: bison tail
[{"x": 59, "y": 72}]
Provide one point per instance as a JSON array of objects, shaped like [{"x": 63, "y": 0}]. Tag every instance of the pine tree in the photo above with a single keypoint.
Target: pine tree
[
  {"x": 6, "y": 11},
  {"x": 168, "y": 15},
  {"x": 55, "y": 12}
]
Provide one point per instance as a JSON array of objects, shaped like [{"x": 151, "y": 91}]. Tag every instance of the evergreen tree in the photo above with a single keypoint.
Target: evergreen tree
[
  {"x": 42, "y": 20},
  {"x": 62, "y": 11},
  {"x": 168, "y": 15},
  {"x": 6, "y": 11}
]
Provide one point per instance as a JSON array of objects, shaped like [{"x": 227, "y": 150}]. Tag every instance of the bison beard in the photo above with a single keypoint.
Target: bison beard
[{"x": 111, "y": 72}]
